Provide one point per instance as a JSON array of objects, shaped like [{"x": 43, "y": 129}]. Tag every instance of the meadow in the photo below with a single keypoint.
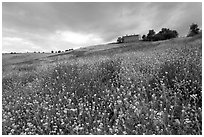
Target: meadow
[{"x": 154, "y": 88}]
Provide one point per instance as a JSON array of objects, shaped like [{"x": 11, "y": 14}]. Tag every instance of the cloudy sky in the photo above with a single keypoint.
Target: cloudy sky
[{"x": 59, "y": 26}]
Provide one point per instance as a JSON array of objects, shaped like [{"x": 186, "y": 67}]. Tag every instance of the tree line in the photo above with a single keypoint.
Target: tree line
[
  {"x": 165, "y": 33},
  {"x": 59, "y": 51}
]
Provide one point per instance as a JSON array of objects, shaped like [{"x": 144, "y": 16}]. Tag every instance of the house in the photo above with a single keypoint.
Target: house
[{"x": 130, "y": 38}]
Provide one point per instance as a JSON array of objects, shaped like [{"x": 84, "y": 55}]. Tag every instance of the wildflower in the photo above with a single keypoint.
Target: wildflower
[
  {"x": 73, "y": 109},
  {"x": 124, "y": 132}
]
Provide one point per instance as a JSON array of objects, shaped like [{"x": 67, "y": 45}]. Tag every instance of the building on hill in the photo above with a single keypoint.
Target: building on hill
[
  {"x": 131, "y": 38},
  {"x": 128, "y": 38}
]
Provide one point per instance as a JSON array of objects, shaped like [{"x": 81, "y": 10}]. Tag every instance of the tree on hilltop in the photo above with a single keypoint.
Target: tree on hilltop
[
  {"x": 194, "y": 30},
  {"x": 150, "y": 35},
  {"x": 144, "y": 38},
  {"x": 120, "y": 40}
]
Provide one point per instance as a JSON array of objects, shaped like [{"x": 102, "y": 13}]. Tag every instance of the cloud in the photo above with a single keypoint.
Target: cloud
[
  {"x": 8, "y": 44},
  {"x": 77, "y": 38},
  {"x": 53, "y": 26}
]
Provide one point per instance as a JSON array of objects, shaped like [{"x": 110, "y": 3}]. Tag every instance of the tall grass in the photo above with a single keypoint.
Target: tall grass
[{"x": 152, "y": 92}]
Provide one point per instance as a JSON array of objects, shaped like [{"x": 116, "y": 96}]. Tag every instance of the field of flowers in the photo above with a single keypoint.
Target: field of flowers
[{"x": 157, "y": 91}]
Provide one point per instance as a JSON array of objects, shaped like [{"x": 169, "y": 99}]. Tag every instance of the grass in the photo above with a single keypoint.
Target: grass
[{"x": 155, "y": 90}]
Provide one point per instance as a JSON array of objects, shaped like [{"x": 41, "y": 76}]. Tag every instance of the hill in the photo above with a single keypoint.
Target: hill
[{"x": 136, "y": 88}]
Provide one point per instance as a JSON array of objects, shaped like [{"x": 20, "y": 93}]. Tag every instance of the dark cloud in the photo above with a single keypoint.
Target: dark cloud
[{"x": 50, "y": 25}]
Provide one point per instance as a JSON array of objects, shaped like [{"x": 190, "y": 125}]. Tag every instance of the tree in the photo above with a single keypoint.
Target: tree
[
  {"x": 144, "y": 38},
  {"x": 175, "y": 33},
  {"x": 158, "y": 37},
  {"x": 194, "y": 30},
  {"x": 150, "y": 35},
  {"x": 52, "y": 51},
  {"x": 164, "y": 34},
  {"x": 120, "y": 40}
]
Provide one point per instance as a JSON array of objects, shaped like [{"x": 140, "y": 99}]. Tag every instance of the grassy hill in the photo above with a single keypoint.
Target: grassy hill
[{"x": 136, "y": 88}]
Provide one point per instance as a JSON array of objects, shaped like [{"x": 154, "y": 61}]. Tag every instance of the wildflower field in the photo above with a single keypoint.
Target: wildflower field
[{"x": 155, "y": 90}]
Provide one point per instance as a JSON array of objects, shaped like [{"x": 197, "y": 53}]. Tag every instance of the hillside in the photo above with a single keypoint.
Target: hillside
[
  {"x": 105, "y": 49},
  {"x": 136, "y": 88}
]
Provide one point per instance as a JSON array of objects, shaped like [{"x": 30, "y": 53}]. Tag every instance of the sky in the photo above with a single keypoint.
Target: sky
[{"x": 32, "y": 26}]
